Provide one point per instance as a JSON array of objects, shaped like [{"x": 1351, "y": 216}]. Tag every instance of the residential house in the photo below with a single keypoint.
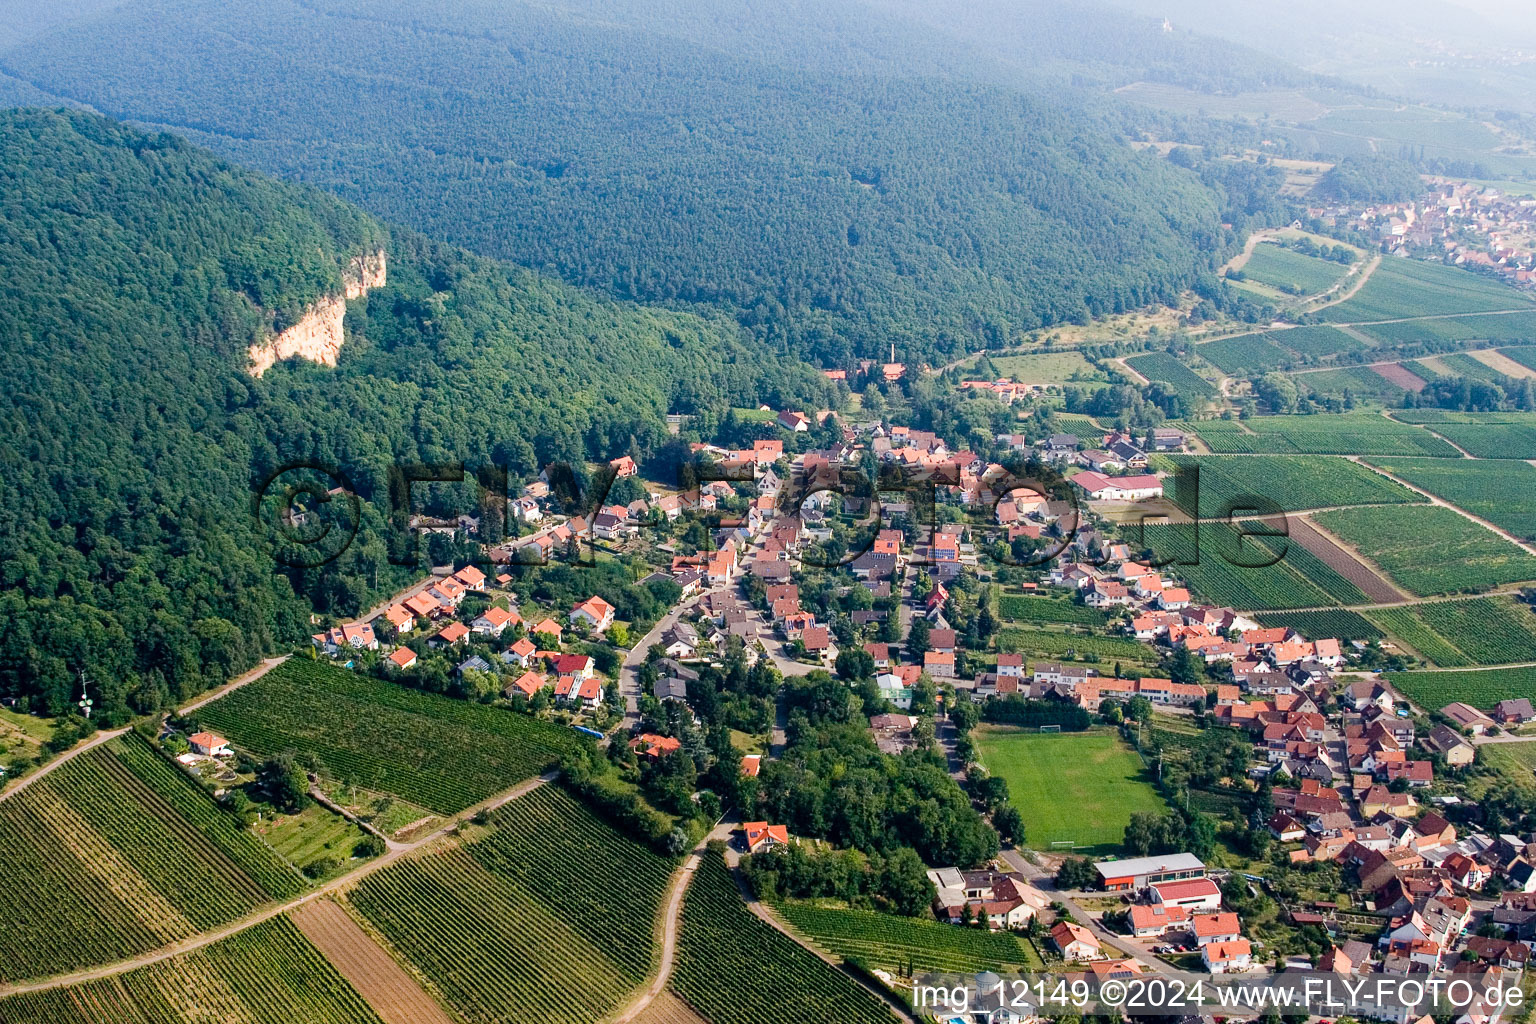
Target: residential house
[
  {"x": 401, "y": 658},
  {"x": 761, "y": 836},
  {"x": 209, "y": 744},
  {"x": 1227, "y": 957},
  {"x": 1075, "y": 942},
  {"x": 595, "y": 612},
  {"x": 450, "y": 635},
  {"x": 493, "y": 621},
  {"x": 1468, "y": 718},
  {"x": 1451, "y": 745}
]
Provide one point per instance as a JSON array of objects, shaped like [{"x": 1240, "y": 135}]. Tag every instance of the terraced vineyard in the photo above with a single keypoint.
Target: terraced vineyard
[
  {"x": 1483, "y": 631},
  {"x": 1404, "y": 288},
  {"x": 1359, "y": 382},
  {"x": 1429, "y": 549},
  {"x": 1024, "y": 608},
  {"x": 1292, "y": 483},
  {"x": 1408, "y": 628},
  {"x": 1245, "y": 354},
  {"x": 735, "y": 969},
  {"x": 120, "y": 856},
  {"x": 439, "y": 753},
  {"x": 1292, "y": 272},
  {"x": 1500, "y": 491},
  {"x": 267, "y": 974},
  {"x": 1341, "y": 624},
  {"x": 1482, "y": 688},
  {"x": 1513, "y": 327},
  {"x": 907, "y": 944},
  {"x": 1162, "y": 367},
  {"x": 1316, "y": 342},
  {"x": 546, "y": 917},
  {"x": 1346, "y": 434},
  {"x": 1218, "y": 575}
]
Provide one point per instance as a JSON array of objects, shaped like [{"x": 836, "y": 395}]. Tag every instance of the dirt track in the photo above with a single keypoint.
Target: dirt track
[{"x": 394, "y": 995}]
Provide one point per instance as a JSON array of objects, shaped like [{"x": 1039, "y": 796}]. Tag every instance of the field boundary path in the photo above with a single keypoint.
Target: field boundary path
[
  {"x": 767, "y": 916},
  {"x": 68, "y": 755},
  {"x": 267, "y": 665},
  {"x": 369, "y": 968},
  {"x": 267, "y": 913},
  {"x": 1529, "y": 549},
  {"x": 671, "y": 917}
]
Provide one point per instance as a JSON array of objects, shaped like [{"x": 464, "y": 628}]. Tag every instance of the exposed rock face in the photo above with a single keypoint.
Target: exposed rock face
[{"x": 318, "y": 335}]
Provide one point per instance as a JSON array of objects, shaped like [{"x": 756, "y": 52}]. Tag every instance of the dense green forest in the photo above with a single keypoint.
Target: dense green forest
[
  {"x": 829, "y": 204},
  {"x": 135, "y": 270}
]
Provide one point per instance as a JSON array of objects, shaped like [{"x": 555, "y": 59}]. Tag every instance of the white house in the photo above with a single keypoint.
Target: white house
[
  {"x": 1227, "y": 957},
  {"x": 596, "y": 612}
]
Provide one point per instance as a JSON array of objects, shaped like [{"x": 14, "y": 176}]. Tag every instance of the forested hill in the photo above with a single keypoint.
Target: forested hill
[
  {"x": 832, "y": 212},
  {"x": 136, "y": 270}
]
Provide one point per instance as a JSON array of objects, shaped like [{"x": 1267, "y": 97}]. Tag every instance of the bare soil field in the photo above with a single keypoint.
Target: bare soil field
[
  {"x": 669, "y": 1009},
  {"x": 1341, "y": 561},
  {"x": 1501, "y": 363},
  {"x": 394, "y": 995},
  {"x": 1396, "y": 373}
]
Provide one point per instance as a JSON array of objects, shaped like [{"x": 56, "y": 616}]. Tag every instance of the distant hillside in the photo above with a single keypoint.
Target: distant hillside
[
  {"x": 136, "y": 275},
  {"x": 835, "y": 186}
]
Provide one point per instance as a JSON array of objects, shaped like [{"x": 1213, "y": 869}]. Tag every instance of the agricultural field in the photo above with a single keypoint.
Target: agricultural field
[
  {"x": 1052, "y": 777},
  {"x": 1358, "y": 382},
  {"x": 439, "y": 753},
  {"x": 1292, "y": 483},
  {"x": 314, "y": 836},
  {"x": 1024, "y": 608},
  {"x": 736, "y": 969},
  {"x": 122, "y": 853},
  {"x": 1500, "y": 491},
  {"x": 1525, "y": 356},
  {"x": 1407, "y": 628},
  {"x": 1047, "y": 367},
  {"x": 1316, "y": 342},
  {"x": 1290, "y": 272},
  {"x": 267, "y": 974},
  {"x": 1074, "y": 646},
  {"x": 1429, "y": 549},
  {"x": 497, "y": 921},
  {"x": 1504, "y": 328},
  {"x": 753, "y": 415},
  {"x": 1160, "y": 366},
  {"x": 1403, "y": 288},
  {"x": 907, "y": 944},
  {"x": 1342, "y": 624},
  {"x": 1360, "y": 433},
  {"x": 1222, "y": 573},
  {"x": 1077, "y": 423},
  {"x": 1246, "y": 354},
  {"x": 1482, "y": 688},
  {"x": 1483, "y": 631},
  {"x": 1490, "y": 440},
  {"x": 1459, "y": 364},
  {"x": 1516, "y": 762}
]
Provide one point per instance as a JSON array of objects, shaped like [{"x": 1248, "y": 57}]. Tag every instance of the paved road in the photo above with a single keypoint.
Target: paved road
[
  {"x": 1110, "y": 940},
  {"x": 268, "y": 913}
]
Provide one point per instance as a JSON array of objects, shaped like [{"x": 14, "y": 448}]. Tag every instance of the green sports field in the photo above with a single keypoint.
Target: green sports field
[{"x": 1082, "y": 787}]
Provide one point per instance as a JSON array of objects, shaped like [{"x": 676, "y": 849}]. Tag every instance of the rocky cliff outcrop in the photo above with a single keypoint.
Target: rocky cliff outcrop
[{"x": 318, "y": 335}]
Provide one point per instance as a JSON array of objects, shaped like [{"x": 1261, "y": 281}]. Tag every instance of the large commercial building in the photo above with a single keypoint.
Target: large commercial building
[{"x": 1140, "y": 872}]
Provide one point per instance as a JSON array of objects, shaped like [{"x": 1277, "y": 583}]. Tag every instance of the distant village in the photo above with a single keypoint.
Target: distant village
[{"x": 1477, "y": 226}]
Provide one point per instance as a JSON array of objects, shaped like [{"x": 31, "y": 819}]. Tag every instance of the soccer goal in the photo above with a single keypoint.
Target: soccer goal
[
  {"x": 1064, "y": 844},
  {"x": 1050, "y": 728}
]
